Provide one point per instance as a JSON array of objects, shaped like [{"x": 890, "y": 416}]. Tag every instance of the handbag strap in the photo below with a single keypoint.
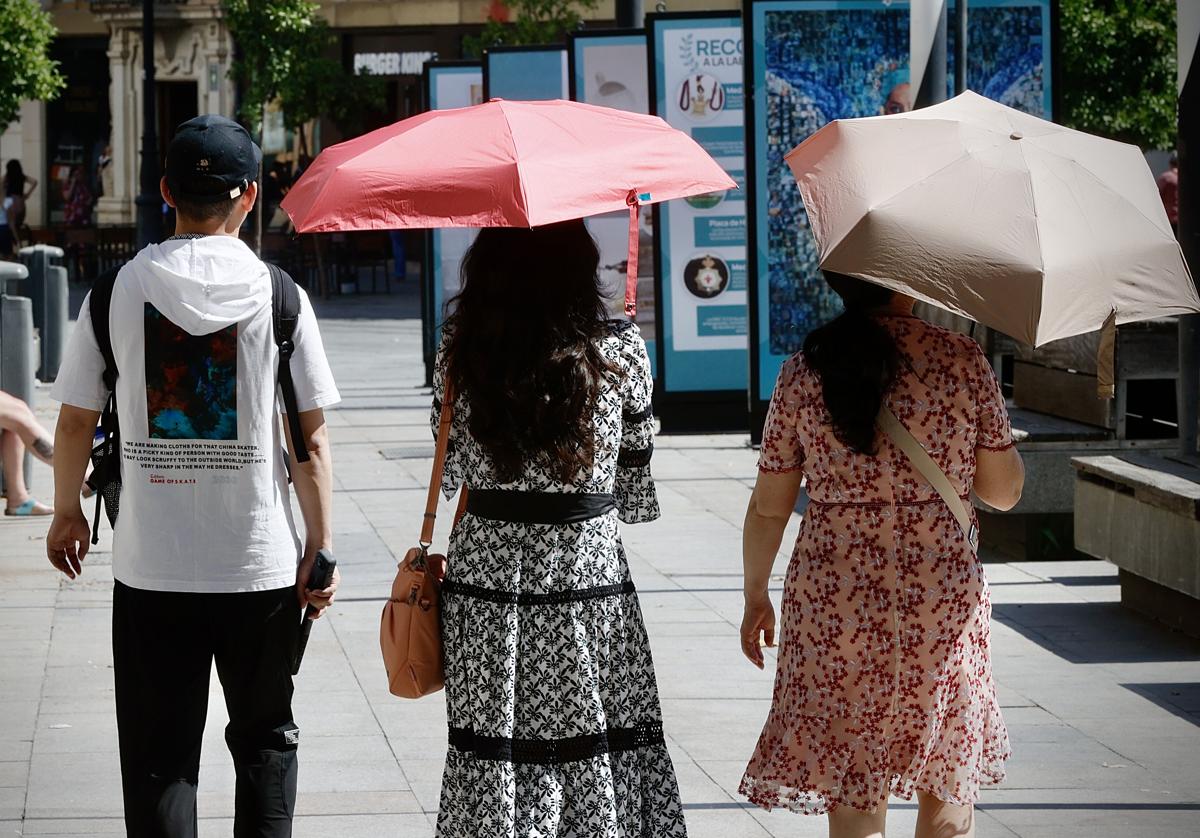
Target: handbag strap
[
  {"x": 445, "y": 420},
  {"x": 903, "y": 439}
]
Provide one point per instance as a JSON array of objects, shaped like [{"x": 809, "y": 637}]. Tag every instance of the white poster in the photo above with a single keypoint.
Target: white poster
[
  {"x": 699, "y": 88},
  {"x": 610, "y": 70}
]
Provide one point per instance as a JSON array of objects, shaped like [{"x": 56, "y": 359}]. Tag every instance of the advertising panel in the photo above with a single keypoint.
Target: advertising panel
[
  {"x": 697, "y": 83},
  {"x": 813, "y": 61},
  {"x": 1010, "y": 56},
  {"x": 608, "y": 68},
  {"x": 447, "y": 85},
  {"x": 525, "y": 73}
]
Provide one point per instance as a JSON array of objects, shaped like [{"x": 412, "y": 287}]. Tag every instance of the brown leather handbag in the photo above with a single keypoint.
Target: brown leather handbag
[{"x": 410, "y": 632}]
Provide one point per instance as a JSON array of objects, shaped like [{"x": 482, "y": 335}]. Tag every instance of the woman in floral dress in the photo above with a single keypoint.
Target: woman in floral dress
[
  {"x": 555, "y": 725},
  {"x": 884, "y": 682}
]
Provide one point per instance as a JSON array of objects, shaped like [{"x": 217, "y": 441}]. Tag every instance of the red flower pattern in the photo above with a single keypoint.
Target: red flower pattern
[{"x": 884, "y": 681}]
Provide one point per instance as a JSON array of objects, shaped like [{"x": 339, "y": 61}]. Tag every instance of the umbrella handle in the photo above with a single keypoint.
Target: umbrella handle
[{"x": 631, "y": 269}]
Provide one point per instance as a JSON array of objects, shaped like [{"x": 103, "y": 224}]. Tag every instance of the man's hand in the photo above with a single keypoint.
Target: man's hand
[
  {"x": 67, "y": 541},
  {"x": 319, "y": 599}
]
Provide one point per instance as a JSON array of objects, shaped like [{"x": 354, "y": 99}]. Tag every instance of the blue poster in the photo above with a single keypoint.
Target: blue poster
[
  {"x": 703, "y": 325},
  {"x": 818, "y": 61},
  {"x": 814, "y": 61},
  {"x": 1010, "y": 53},
  {"x": 609, "y": 69},
  {"x": 525, "y": 74}
]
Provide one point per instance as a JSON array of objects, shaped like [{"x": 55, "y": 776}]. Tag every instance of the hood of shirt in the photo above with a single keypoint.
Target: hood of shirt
[{"x": 202, "y": 285}]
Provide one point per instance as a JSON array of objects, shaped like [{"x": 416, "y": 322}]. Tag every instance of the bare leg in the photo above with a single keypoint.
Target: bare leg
[
  {"x": 938, "y": 819},
  {"x": 12, "y": 455},
  {"x": 845, "y": 822},
  {"x": 16, "y": 416}
]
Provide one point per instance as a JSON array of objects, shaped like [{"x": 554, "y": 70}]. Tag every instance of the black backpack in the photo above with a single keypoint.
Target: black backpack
[{"x": 106, "y": 455}]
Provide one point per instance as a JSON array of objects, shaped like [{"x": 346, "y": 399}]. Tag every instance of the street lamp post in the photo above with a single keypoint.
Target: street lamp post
[
  {"x": 1189, "y": 220},
  {"x": 927, "y": 37},
  {"x": 149, "y": 200},
  {"x": 960, "y": 46}
]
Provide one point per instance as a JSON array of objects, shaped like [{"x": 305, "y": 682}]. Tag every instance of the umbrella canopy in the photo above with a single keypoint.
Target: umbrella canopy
[
  {"x": 1034, "y": 229},
  {"x": 500, "y": 164}
]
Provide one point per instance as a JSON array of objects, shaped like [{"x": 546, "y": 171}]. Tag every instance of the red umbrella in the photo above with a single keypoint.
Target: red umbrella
[{"x": 503, "y": 164}]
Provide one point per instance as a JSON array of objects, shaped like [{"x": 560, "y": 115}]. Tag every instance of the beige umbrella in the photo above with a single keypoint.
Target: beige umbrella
[{"x": 1036, "y": 230}]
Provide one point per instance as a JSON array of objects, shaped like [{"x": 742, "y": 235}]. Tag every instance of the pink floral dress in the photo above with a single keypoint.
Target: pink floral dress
[{"x": 884, "y": 680}]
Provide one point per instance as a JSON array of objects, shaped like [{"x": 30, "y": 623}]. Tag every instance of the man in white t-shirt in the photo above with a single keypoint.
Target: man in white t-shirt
[{"x": 207, "y": 559}]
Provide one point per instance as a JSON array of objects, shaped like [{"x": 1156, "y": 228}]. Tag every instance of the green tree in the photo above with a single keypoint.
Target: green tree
[
  {"x": 282, "y": 46},
  {"x": 26, "y": 69},
  {"x": 536, "y": 22},
  {"x": 281, "y": 58},
  {"x": 1119, "y": 65}
]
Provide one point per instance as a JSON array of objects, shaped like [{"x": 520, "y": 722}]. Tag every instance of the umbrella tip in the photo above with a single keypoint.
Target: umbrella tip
[{"x": 1016, "y": 135}]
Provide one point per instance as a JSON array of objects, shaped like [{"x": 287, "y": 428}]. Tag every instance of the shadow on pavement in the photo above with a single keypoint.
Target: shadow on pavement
[{"x": 1096, "y": 632}]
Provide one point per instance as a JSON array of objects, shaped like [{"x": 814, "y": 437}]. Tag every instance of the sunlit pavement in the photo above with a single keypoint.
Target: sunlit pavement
[{"x": 1103, "y": 707}]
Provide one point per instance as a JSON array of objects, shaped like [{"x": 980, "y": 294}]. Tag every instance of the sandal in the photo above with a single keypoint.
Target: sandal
[{"x": 29, "y": 509}]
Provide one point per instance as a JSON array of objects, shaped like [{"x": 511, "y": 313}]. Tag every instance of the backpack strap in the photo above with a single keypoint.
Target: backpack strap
[
  {"x": 285, "y": 311},
  {"x": 99, "y": 304}
]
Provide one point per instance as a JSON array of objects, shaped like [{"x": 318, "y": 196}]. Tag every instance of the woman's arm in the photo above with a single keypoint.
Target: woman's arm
[
  {"x": 999, "y": 477},
  {"x": 767, "y": 517},
  {"x": 31, "y": 184}
]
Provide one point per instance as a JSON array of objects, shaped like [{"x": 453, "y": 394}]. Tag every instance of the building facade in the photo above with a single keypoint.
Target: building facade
[{"x": 97, "y": 123}]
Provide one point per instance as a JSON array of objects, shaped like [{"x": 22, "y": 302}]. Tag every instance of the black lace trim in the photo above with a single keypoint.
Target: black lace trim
[
  {"x": 639, "y": 415},
  {"x": 635, "y": 457},
  {"x": 614, "y": 740},
  {"x": 552, "y": 508},
  {"x": 526, "y": 599}
]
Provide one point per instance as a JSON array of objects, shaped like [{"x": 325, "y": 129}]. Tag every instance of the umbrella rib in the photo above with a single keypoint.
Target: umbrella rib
[
  {"x": 1036, "y": 312},
  {"x": 516, "y": 162}
]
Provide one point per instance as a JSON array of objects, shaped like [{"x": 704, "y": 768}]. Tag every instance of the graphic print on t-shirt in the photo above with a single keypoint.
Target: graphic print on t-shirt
[{"x": 191, "y": 381}]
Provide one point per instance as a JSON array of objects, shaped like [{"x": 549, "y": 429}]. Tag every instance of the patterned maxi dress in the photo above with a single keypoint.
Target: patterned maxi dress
[
  {"x": 555, "y": 725},
  {"x": 884, "y": 680}
]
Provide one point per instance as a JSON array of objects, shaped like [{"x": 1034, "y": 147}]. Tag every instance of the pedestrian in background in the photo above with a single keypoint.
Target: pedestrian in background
[
  {"x": 20, "y": 187},
  {"x": 883, "y": 682},
  {"x": 555, "y": 724},
  {"x": 1168, "y": 190},
  {"x": 77, "y": 199},
  {"x": 208, "y": 561}
]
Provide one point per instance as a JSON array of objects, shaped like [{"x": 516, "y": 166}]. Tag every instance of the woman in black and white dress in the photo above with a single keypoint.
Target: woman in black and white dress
[{"x": 555, "y": 726}]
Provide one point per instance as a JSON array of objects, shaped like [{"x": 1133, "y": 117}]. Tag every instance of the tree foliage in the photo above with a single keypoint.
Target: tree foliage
[
  {"x": 536, "y": 22},
  {"x": 282, "y": 57},
  {"x": 1119, "y": 65},
  {"x": 26, "y": 69}
]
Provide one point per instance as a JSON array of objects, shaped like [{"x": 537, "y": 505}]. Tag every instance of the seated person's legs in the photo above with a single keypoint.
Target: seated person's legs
[{"x": 16, "y": 416}]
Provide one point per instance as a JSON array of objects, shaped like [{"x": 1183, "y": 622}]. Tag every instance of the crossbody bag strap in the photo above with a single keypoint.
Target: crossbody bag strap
[
  {"x": 904, "y": 440},
  {"x": 439, "y": 468}
]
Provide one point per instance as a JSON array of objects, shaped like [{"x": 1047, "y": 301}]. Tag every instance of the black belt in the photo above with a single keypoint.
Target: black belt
[{"x": 538, "y": 507}]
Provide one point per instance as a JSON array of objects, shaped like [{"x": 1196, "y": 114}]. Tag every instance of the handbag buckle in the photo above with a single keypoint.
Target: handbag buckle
[{"x": 412, "y": 594}]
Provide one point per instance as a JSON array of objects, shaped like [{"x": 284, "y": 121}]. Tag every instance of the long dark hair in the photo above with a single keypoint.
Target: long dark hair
[
  {"x": 14, "y": 178},
  {"x": 523, "y": 346},
  {"x": 856, "y": 359}
]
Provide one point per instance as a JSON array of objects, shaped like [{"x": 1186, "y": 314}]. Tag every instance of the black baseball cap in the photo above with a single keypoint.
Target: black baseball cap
[{"x": 211, "y": 158}]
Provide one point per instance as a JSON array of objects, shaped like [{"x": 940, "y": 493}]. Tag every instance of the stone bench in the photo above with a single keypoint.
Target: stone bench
[{"x": 1142, "y": 513}]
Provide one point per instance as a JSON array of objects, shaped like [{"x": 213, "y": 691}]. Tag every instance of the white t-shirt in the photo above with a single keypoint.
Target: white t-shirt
[{"x": 204, "y": 501}]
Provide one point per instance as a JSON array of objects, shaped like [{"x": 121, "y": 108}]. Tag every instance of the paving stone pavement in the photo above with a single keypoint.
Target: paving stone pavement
[{"x": 1103, "y": 707}]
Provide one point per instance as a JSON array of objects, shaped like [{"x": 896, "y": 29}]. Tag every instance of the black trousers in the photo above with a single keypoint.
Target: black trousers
[{"x": 164, "y": 645}]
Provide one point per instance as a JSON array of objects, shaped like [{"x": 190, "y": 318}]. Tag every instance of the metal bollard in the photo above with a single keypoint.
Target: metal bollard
[
  {"x": 49, "y": 318},
  {"x": 17, "y": 346},
  {"x": 54, "y": 334}
]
